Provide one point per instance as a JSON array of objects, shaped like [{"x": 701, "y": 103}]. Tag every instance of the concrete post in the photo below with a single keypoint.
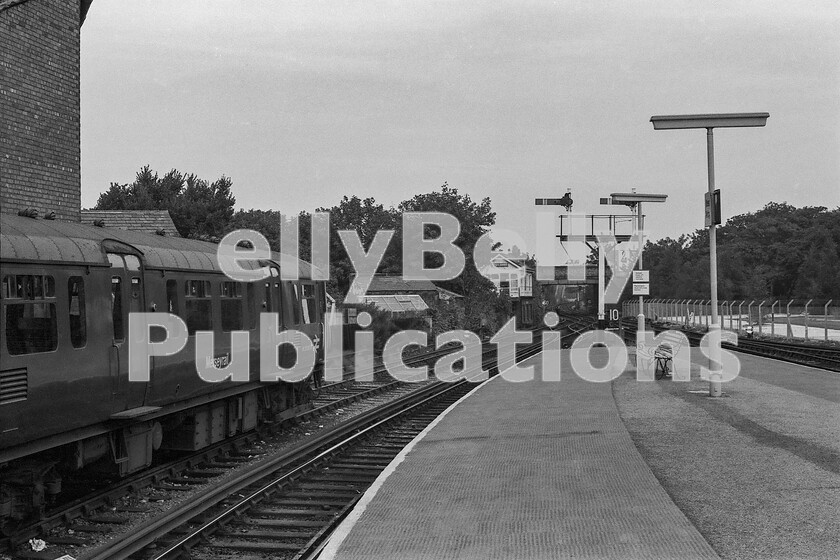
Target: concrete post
[
  {"x": 806, "y": 318},
  {"x": 789, "y": 329},
  {"x": 760, "y": 317},
  {"x": 731, "y": 303}
]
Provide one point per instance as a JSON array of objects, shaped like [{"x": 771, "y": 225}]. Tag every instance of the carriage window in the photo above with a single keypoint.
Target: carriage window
[
  {"x": 309, "y": 303},
  {"x": 116, "y": 261},
  {"x": 198, "y": 306},
  {"x": 13, "y": 287},
  {"x": 28, "y": 286},
  {"x": 172, "y": 297},
  {"x": 132, "y": 263},
  {"x": 8, "y": 287},
  {"x": 78, "y": 320},
  {"x": 296, "y": 303},
  {"x": 31, "y": 328},
  {"x": 231, "y": 306},
  {"x": 116, "y": 308}
]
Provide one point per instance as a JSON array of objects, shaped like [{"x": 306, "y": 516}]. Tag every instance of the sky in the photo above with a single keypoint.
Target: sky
[{"x": 301, "y": 103}]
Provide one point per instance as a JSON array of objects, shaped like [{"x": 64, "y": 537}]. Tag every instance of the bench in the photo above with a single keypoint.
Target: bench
[{"x": 662, "y": 356}]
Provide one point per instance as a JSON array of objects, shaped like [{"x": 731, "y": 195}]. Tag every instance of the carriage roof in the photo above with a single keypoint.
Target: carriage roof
[{"x": 32, "y": 240}]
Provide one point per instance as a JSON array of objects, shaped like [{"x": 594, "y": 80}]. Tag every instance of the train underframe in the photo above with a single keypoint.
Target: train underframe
[{"x": 28, "y": 486}]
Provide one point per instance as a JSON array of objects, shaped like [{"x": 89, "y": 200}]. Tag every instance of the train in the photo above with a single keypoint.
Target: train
[{"x": 66, "y": 401}]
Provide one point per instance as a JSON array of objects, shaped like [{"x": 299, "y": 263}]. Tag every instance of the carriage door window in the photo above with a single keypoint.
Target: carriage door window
[
  {"x": 197, "y": 299},
  {"x": 231, "y": 306},
  {"x": 78, "y": 319},
  {"x": 253, "y": 313},
  {"x": 296, "y": 303},
  {"x": 267, "y": 303},
  {"x": 310, "y": 306},
  {"x": 172, "y": 297},
  {"x": 135, "y": 301},
  {"x": 117, "y": 315}
]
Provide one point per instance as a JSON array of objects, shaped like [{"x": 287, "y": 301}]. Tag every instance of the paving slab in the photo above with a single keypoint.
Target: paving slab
[{"x": 529, "y": 470}]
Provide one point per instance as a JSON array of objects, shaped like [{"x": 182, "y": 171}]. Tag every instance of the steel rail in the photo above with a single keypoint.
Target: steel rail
[
  {"x": 822, "y": 357},
  {"x": 350, "y": 431}
]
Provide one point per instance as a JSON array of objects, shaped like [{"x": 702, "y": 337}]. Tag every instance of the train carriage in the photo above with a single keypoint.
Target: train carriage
[{"x": 66, "y": 291}]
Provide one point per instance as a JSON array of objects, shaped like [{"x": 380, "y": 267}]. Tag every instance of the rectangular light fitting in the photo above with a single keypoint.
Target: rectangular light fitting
[
  {"x": 632, "y": 198},
  {"x": 667, "y": 122}
]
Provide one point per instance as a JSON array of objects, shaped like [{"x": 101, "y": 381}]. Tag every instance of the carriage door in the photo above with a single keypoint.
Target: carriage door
[
  {"x": 127, "y": 296},
  {"x": 307, "y": 315},
  {"x": 274, "y": 301}
]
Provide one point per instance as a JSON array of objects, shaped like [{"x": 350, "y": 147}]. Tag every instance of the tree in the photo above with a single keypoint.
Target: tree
[
  {"x": 266, "y": 222},
  {"x": 484, "y": 307},
  {"x": 199, "y": 209},
  {"x": 819, "y": 274},
  {"x": 366, "y": 217}
]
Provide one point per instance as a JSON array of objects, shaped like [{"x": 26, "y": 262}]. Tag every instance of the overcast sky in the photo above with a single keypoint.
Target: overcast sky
[{"x": 303, "y": 102}]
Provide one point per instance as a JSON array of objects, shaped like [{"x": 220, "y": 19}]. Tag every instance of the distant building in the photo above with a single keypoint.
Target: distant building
[
  {"x": 148, "y": 221},
  {"x": 393, "y": 284},
  {"x": 511, "y": 275},
  {"x": 400, "y": 297},
  {"x": 39, "y": 106}
]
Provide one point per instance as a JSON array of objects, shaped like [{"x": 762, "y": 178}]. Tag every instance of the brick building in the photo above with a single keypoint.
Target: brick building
[{"x": 39, "y": 106}]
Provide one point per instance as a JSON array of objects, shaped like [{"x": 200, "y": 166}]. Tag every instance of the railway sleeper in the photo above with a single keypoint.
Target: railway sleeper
[
  {"x": 257, "y": 534},
  {"x": 255, "y": 546}
]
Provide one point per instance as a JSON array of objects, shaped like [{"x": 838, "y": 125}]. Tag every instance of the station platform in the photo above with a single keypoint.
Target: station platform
[{"x": 531, "y": 470}]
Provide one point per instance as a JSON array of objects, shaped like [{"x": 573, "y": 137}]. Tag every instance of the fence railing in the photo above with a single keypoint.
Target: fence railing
[{"x": 809, "y": 319}]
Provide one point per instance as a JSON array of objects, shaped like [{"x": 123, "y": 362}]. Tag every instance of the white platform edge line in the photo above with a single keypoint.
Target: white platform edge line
[{"x": 341, "y": 532}]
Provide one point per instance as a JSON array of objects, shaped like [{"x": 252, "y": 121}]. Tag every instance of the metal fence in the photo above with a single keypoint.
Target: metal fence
[{"x": 809, "y": 319}]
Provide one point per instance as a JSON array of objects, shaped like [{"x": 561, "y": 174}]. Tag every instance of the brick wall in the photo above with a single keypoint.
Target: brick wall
[{"x": 39, "y": 107}]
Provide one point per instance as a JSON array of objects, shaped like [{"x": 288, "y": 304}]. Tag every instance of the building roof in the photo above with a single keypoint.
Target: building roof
[
  {"x": 148, "y": 221},
  {"x": 395, "y": 283},
  {"x": 447, "y": 294},
  {"x": 408, "y": 303}
]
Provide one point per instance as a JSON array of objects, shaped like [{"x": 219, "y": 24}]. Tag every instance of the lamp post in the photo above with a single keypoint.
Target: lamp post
[{"x": 710, "y": 122}]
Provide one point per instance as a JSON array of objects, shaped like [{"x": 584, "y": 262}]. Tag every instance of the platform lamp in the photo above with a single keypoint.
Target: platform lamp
[
  {"x": 710, "y": 122},
  {"x": 634, "y": 200}
]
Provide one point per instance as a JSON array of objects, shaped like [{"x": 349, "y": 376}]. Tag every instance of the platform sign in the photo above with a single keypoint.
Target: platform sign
[
  {"x": 641, "y": 289},
  {"x": 641, "y": 276},
  {"x": 708, "y": 221},
  {"x": 612, "y": 315}
]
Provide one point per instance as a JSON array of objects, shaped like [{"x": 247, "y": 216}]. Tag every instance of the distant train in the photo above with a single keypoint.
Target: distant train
[{"x": 65, "y": 398}]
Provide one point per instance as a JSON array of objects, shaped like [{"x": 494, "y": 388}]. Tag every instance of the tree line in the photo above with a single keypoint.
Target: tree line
[
  {"x": 202, "y": 209},
  {"x": 779, "y": 252}
]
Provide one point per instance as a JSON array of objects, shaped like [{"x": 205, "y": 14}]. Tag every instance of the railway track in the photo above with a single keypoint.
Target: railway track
[
  {"x": 289, "y": 504},
  {"x": 824, "y": 357},
  {"x": 100, "y": 508},
  {"x": 107, "y": 509}
]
